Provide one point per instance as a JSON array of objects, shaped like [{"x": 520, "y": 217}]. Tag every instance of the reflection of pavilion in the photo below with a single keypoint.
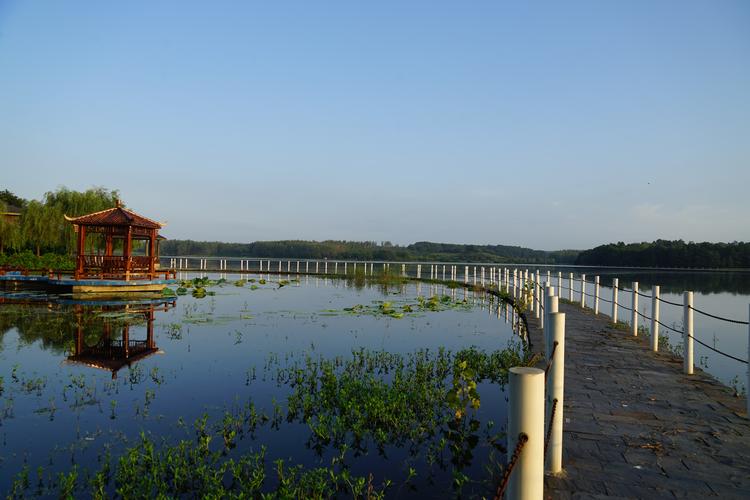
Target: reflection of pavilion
[{"x": 113, "y": 352}]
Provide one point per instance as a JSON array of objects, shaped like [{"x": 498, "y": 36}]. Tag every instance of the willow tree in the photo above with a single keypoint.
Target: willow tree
[
  {"x": 10, "y": 231},
  {"x": 65, "y": 201},
  {"x": 39, "y": 226}
]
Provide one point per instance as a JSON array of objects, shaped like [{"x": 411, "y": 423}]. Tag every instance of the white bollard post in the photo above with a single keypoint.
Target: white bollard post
[
  {"x": 553, "y": 304},
  {"x": 615, "y": 285},
  {"x": 297, "y": 267},
  {"x": 526, "y": 421},
  {"x": 537, "y": 300},
  {"x": 317, "y": 266},
  {"x": 325, "y": 268},
  {"x": 466, "y": 274},
  {"x": 688, "y": 332},
  {"x": 555, "y": 391},
  {"x": 655, "y": 318},
  {"x": 570, "y": 287},
  {"x": 634, "y": 317},
  {"x": 596, "y": 295},
  {"x": 583, "y": 291},
  {"x": 307, "y": 267}
]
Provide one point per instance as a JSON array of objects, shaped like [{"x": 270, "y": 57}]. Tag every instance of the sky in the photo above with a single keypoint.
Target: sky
[{"x": 550, "y": 125}]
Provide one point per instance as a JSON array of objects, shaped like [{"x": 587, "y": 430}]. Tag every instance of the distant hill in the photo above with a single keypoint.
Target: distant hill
[
  {"x": 664, "y": 253},
  {"x": 369, "y": 250}
]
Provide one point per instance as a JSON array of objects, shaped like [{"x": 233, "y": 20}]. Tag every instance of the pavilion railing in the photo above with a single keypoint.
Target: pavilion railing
[{"x": 119, "y": 267}]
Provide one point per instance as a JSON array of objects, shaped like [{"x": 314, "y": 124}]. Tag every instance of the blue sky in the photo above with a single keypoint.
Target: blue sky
[{"x": 543, "y": 124}]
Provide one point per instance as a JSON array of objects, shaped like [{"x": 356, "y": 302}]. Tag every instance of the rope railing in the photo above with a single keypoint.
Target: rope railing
[
  {"x": 665, "y": 301},
  {"x": 669, "y": 327},
  {"x": 718, "y": 351},
  {"x": 549, "y": 426},
  {"x": 735, "y": 321},
  {"x": 551, "y": 359},
  {"x": 522, "y": 439}
]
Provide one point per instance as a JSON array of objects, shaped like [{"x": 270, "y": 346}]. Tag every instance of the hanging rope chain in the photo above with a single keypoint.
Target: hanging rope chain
[
  {"x": 522, "y": 439},
  {"x": 551, "y": 359},
  {"x": 549, "y": 427}
]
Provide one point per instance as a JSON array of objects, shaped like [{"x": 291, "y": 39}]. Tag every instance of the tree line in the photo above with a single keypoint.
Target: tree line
[
  {"x": 665, "y": 253},
  {"x": 41, "y": 226},
  {"x": 368, "y": 250}
]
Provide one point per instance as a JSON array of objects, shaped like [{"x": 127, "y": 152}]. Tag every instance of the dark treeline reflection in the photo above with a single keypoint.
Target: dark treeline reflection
[
  {"x": 95, "y": 334},
  {"x": 705, "y": 282}
]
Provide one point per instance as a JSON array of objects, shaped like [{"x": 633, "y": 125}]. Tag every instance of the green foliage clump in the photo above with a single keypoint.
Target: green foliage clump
[{"x": 28, "y": 260}]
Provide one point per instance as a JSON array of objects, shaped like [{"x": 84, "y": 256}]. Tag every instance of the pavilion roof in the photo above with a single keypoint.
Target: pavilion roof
[{"x": 117, "y": 216}]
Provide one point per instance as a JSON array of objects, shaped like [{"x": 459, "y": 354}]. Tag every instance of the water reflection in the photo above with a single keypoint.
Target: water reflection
[{"x": 113, "y": 348}]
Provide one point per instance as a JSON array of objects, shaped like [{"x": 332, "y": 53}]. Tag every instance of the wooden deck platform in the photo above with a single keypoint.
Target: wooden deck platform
[
  {"x": 68, "y": 283},
  {"x": 636, "y": 427}
]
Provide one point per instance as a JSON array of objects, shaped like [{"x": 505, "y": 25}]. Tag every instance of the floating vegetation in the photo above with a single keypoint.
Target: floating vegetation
[
  {"x": 192, "y": 468},
  {"x": 398, "y": 309},
  {"x": 425, "y": 400}
]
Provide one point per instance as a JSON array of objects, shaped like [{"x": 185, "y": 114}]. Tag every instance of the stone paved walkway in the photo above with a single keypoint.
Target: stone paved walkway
[{"x": 636, "y": 427}]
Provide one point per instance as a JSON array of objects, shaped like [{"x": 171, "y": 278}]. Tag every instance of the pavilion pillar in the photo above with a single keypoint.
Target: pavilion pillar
[
  {"x": 126, "y": 341},
  {"x": 108, "y": 245},
  {"x": 150, "y": 328},
  {"x": 152, "y": 254},
  {"x": 81, "y": 251},
  {"x": 127, "y": 251}
]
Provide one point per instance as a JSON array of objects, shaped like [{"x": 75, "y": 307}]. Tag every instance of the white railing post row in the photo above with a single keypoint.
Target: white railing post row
[
  {"x": 687, "y": 335},
  {"x": 555, "y": 391},
  {"x": 615, "y": 285},
  {"x": 655, "y": 318},
  {"x": 583, "y": 291},
  {"x": 526, "y": 418},
  {"x": 570, "y": 287},
  {"x": 596, "y": 295},
  {"x": 634, "y": 312}
]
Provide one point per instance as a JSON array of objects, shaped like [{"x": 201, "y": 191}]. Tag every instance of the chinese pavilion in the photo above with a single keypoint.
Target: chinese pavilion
[{"x": 109, "y": 251}]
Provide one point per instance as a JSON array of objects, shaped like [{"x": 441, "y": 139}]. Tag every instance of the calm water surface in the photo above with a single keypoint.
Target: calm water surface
[{"x": 67, "y": 399}]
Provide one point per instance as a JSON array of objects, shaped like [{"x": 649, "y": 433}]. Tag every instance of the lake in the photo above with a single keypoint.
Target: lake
[{"x": 348, "y": 376}]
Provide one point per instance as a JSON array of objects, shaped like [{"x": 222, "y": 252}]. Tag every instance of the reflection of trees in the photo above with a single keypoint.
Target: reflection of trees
[
  {"x": 678, "y": 282},
  {"x": 79, "y": 328},
  {"x": 51, "y": 326}
]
